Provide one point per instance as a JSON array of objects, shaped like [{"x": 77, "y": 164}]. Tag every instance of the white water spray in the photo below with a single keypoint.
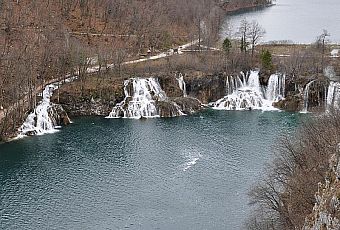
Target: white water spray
[
  {"x": 245, "y": 93},
  {"x": 333, "y": 96},
  {"x": 306, "y": 97},
  {"x": 141, "y": 100},
  {"x": 276, "y": 87},
  {"x": 232, "y": 84},
  {"x": 182, "y": 84},
  {"x": 44, "y": 118}
]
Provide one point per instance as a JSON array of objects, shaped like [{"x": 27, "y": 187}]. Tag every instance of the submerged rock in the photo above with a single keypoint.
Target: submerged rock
[{"x": 188, "y": 105}]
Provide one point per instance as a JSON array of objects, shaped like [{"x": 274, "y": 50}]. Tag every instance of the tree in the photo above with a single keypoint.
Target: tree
[
  {"x": 286, "y": 195},
  {"x": 243, "y": 32},
  {"x": 266, "y": 60},
  {"x": 255, "y": 33},
  {"x": 320, "y": 43},
  {"x": 227, "y": 45}
]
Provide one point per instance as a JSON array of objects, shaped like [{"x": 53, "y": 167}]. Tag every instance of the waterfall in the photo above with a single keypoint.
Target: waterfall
[
  {"x": 144, "y": 98},
  {"x": 333, "y": 95},
  {"x": 240, "y": 100},
  {"x": 232, "y": 84},
  {"x": 247, "y": 94},
  {"x": 182, "y": 84},
  {"x": 254, "y": 81},
  {"x": 276, "y": 87},
  {"x": 45, "y": 117},
  {"x": 306, "y": 97}
]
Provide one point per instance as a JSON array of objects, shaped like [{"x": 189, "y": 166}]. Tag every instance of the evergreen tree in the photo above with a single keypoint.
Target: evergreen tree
[
  {"x": 266, "y": 59},
  {"x": 226, "y": 45}
]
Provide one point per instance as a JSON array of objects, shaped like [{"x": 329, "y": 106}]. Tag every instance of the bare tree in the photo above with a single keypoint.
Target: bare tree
[
  {"x": 242, "y": 33},
  {"x": 255, "y": 33},
  {"x": 288, "y": 189},
  {"x": 321, "y": 42}
]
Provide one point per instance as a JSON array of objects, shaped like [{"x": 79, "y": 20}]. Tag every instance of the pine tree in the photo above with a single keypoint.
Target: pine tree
[
  {"x": 227, "y": 45},
  {"x": 266, "y": 59}
]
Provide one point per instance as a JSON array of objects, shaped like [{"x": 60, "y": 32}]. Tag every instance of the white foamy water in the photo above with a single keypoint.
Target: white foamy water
[
  {"x": 276, "y": 87},
  {"x": 232, "y": 84},
  {"x": 141, "y": 97},
  {"x": 191, "y": 163},
  {"x": 43, "y": 119},
  {"x": 243, "y": 93},
  {"x": 181, "y": 84},
  {"x": 306, "y": 97},
  {"x": 40, "y": 121},
  {"x": 333, "y": 95}
]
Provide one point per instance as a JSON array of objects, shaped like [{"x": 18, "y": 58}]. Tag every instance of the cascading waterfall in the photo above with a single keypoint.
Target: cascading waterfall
[
  {"x": 333, "y": 95},
  {"x": 143, "y": 101},
  {"x": 45, "y": 118},
  {"x": 182, "y": 84},
  {"x": 276, "y": 87},
  {"x": 306, "y": 97},
  {"x": 243, "y": 93},
  {"x": 232, "y": 84}
]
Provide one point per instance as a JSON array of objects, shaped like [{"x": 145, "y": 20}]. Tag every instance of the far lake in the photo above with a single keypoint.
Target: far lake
[{"x": 299, "y": 21}]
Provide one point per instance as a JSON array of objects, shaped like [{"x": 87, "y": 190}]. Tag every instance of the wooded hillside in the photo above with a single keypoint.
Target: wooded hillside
[{"x": 42, "y": 41}]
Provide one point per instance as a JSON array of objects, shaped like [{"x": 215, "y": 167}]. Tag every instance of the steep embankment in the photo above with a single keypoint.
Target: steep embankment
[
  {"x": 294, "y": 182},
  {"x": 326, "y": 211}
]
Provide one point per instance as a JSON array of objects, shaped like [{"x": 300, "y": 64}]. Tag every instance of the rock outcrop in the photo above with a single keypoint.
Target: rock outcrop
[
  {"x": 185, "y": 92},
  {"x": 326, "y": 211}
]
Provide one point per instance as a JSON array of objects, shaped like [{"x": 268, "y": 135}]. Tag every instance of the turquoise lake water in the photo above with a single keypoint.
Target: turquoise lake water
[{"x": 190, "y": 172}]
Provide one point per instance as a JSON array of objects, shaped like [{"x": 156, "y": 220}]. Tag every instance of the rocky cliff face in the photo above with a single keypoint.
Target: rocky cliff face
[
  {"x": 170, "y": 100},
  {"x": 305, "y": 94},
  {"x": 94, "y": 100},
  {"x": 326, "y": 211},
  {"x": 177, "y": 93},
  {"x": 205, "y": 88}
]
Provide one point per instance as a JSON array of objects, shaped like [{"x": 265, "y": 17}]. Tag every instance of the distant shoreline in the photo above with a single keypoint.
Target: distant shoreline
[{"x": 246, "y": 9}]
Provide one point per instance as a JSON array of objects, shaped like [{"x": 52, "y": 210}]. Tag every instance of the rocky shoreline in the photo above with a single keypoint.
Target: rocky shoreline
[
  {"x": 96, "y": 94},
  {"x": 201, "y": 89}
]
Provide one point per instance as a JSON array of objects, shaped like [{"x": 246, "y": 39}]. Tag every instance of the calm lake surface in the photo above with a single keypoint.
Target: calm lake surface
[
  {"x": 300, "y": 21},
  {"x": 183, "y": 173}
]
